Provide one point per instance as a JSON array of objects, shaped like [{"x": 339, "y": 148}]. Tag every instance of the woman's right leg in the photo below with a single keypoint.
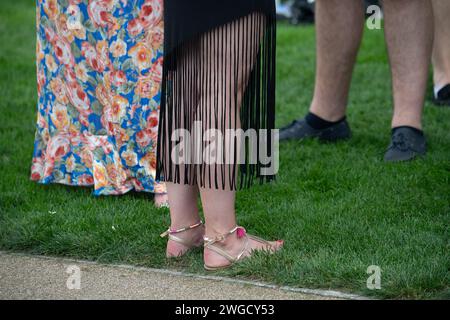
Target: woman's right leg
[{"x": 183, "y": 213}]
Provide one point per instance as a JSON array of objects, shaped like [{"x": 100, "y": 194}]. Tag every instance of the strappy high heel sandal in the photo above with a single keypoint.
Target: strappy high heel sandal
[
  {"x": 189, "y": 244},
  {"x": 210, "y": 243}
]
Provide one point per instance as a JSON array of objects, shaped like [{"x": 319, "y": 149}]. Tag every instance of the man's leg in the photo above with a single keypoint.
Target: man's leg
[
  {"x": 409, "y": 37},
  {"x": 339, "y": 29},
  {"x": 441, "y": 51}
]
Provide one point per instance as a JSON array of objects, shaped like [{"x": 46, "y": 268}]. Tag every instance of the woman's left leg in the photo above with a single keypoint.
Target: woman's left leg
[
  {"x": 230, "y": 53},
  {"x": 220, "y": 219}
]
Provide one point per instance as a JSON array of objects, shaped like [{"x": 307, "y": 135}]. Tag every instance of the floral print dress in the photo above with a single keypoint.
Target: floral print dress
[{"x": 99, "y": 67}]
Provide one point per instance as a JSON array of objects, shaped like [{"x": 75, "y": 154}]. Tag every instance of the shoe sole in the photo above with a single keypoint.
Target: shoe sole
[
  {"x": 217, "y": 268},
  {"x": 208, "y": 268},
  {"x": 416, "y": 157}
]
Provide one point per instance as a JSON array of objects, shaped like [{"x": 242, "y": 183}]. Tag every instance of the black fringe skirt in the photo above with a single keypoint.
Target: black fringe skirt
[{"x": 218, "y": 93}]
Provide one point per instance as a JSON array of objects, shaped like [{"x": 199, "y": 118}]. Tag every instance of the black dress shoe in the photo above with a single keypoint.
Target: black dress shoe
[
  {"x": 406, "y": 144},
  {"x": 300, "y": 129},
  {"x": 443, "y": 96}
]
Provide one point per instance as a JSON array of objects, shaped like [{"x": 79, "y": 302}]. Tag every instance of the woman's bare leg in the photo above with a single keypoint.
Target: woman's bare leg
[
  {"x": 183, "y": 213},
  {"x": 222, "y": 74},
  {"x": 220, "y": 217}
]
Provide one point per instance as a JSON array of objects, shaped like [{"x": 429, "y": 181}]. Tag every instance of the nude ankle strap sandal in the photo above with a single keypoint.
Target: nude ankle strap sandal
[
  {"x": 210, "y": 243},
  {"x": 188, "y": 243}
]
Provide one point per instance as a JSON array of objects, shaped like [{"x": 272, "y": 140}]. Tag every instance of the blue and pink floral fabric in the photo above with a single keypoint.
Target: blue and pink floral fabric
[{"x": 99, "y": 67}]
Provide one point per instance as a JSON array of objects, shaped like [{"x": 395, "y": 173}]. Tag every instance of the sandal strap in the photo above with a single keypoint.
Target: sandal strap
[
  {"x": 229, "y": 257},
  {"x": 260, "y": 240},
  {"x": 222, "y": 237},
  {"x": 170, "y": 231},
  {"x": 210, "y": 244},
  {"x": 187, "y": 243}
]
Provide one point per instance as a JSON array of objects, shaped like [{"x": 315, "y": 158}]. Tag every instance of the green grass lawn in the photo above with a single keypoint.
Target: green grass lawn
[{"x": 339, "y": 208}]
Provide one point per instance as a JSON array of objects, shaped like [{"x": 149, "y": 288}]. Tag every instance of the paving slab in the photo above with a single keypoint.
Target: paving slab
[{"x": 36, "y": 277}]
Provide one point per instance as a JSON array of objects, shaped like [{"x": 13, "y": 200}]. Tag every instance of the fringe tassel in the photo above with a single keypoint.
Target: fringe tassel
[{"x": 223, "y": 79}]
